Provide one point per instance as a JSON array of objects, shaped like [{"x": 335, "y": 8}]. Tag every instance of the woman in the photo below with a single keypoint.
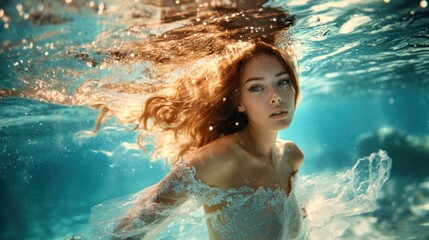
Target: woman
[
  {"x": 217, "y": 124},
  {"x": 238, "y": 169}
]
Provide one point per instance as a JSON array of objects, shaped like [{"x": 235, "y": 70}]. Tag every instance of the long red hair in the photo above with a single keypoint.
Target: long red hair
[{"x": 201, "y": 105}]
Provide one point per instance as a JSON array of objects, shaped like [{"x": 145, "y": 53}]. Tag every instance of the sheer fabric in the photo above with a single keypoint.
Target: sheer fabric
[{"x": 246, "y": 213}]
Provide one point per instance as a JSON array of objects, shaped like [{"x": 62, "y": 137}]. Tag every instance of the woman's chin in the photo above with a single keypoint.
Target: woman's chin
[{"x": 282, "y": 126}]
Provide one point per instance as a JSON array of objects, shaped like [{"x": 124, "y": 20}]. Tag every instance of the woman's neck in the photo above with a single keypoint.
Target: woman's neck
[{"x": 261, "y": 142}]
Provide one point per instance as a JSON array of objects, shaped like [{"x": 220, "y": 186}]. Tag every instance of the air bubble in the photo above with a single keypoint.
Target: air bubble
[
  {"x": 100, "y": 8},
  {"x": 19, "y": 7}
]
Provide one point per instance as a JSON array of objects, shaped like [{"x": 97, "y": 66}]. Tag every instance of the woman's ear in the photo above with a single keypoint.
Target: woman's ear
[{"x": 241, "y": 108}]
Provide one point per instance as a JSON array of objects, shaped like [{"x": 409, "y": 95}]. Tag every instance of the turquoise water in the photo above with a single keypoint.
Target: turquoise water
[{"x": 364, "y": 76}]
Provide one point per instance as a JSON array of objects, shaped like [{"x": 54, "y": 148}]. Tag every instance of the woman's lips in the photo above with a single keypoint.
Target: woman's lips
[{"x": 279, "y": 114}]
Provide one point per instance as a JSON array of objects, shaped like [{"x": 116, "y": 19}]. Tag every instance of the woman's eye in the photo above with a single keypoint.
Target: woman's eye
[
  {"x": 256, "y": 88},
  {"x": 284, "y": 82}
]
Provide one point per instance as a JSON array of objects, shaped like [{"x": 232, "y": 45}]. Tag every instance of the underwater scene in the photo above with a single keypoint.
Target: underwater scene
[{"x": 364, "y": 76}]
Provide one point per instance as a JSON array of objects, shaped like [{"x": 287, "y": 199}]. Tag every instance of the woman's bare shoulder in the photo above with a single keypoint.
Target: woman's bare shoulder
[
  {"x": 291, "y": 153},
  {"x": 216, "y": 162}
]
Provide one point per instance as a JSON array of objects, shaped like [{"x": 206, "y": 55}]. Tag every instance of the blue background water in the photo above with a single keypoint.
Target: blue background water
[{"x": 364, "y": 88}]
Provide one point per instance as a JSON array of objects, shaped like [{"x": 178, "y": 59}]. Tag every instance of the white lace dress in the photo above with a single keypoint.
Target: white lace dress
[{"x": 246, "y": 213}]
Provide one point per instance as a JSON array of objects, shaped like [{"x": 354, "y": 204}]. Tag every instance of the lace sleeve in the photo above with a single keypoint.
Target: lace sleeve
[{"x": 145, "y": 213}]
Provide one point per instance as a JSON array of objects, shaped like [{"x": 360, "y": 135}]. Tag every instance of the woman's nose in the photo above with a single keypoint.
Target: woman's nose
[{"x": 275, "y": 98}]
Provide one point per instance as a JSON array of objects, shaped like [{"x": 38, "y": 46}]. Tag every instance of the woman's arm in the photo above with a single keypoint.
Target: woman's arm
[
  {"x": 152, "y": 206},
  {"x": 210, "y": 164}
]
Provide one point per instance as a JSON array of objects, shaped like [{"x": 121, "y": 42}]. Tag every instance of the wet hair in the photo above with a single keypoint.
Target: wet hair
[
  {"x": 188, "y": 92},
  {"x": 201, "y": 106}
]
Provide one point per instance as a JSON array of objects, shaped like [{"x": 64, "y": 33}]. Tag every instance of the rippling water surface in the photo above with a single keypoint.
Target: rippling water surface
[{"x": 364, "y": 74}]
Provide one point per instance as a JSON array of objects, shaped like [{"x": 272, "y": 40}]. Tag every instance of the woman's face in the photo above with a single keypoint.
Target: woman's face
[{"x": 267, "y": 93}]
